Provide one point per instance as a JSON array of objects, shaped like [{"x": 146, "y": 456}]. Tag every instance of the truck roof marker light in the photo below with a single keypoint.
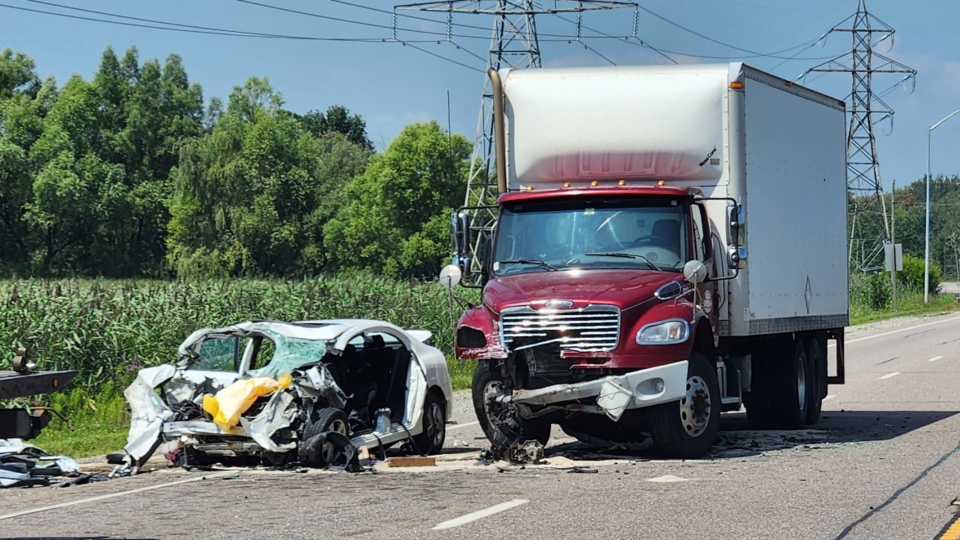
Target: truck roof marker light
[
  {"x": 530, "y": 187},
  {"x": 622, "y": 183},
  {"x": 661, "y": 183},
  {"x": 566, "y": 184},
  {"x": 736, "y": 85},
  {"x": 593, "y": 183}
]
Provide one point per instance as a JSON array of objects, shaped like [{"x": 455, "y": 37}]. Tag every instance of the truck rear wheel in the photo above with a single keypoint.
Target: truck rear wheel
[
  {"x": 488, "y": 383},
  {"x": 817, "y": 363},
  {"x": 793, "y": 383},
  {"x": 686, "y": 429},
  {"x": 759, "y": 400}
]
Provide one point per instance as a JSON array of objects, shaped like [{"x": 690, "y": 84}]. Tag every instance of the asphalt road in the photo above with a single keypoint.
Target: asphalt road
[{"x": 882, "y": 464}]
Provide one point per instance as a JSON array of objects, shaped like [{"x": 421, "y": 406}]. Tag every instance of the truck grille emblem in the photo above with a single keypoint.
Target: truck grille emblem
[{"x": 559, "y": 304}]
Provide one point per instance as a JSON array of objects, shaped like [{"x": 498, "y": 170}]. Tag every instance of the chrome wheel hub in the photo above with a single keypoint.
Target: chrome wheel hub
[
  {"x": 329, "y": 451},
  {"x": 434, "y": 424},
  {"x": 695, "y": 407}
]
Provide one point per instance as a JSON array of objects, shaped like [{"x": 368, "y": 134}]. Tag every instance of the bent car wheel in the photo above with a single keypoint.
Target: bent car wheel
[
  {"x": 328, "y": 419},
  {"x": 487, "y": 384},
  {"x": 430, "y": 440},
  {"x": 685, "y": 429}
]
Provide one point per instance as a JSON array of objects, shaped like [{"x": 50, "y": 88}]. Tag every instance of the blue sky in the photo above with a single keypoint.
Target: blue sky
[{"x": 392, "y": 85}]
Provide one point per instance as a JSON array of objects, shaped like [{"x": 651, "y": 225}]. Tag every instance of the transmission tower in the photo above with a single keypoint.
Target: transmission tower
[
  {"x": 865, "y": 109},
  {"x": 514, "y": 44}
]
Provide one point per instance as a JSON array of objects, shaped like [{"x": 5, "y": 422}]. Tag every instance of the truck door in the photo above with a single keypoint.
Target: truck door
[{"x": 702, "y": 251}]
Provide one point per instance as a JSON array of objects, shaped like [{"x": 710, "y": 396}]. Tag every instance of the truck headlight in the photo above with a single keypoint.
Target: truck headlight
[{"x": 664, "y": 333}]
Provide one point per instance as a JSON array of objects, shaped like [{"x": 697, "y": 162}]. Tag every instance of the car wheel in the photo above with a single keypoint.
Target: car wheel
[
  {"x": 487, "y": 384},
  {"x": 328, "y": 419},
  {"x": 685, "y": 429},
  {"x": 430, "y": 440}
]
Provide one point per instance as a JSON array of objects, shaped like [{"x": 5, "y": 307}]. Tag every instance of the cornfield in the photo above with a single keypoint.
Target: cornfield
[{"x": 108, "y": 330}]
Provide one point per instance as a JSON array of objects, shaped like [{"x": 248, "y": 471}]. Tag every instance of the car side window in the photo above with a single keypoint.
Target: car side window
[{"x": 219, "y": 354}]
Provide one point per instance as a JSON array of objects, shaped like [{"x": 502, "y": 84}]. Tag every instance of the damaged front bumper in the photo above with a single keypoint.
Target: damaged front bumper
[{"x": 614, "y": 394}]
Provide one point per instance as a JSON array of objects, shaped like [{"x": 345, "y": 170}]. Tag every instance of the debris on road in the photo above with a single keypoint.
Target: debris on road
[
  {"x": 24, "y": 465},
  {"x": 275, "y": 393},
  {"x": 428, "y": 461}
]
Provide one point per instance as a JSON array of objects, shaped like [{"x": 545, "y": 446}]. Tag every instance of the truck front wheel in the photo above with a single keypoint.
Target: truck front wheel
[
  {"x": 686, "y": 429},
  {"x": 489, "y": 383}
]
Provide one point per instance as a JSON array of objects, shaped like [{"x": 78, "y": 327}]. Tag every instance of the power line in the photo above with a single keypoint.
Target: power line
[
  {"x": 594, "y": 51},
  {"x": 718, "y": 42},
  {"x": 218, "y": 32},
  {"x": 393, "y": 28},
  {"x": 440, "y": 56},
  {"x": 238, "y": 32},
  {"x": 406, "y": 15}
]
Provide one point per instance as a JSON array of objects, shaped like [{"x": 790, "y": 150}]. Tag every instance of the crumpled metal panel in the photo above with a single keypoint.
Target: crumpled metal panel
[
  {"x": 318, "y": 382},
  {"x": 278, "y": 413},
  {"x": 147, "y": 410}
]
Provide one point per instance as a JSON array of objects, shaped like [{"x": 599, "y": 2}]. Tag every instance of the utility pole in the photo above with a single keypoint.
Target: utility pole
[
  {"x": 865, "y": 109},
  {"x": 893, "y": 243},
  {"x": 514, "y": 44}
]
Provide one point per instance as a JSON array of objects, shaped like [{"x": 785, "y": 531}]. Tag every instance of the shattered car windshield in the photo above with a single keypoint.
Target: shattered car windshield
[{"x": 291, "y": 353}]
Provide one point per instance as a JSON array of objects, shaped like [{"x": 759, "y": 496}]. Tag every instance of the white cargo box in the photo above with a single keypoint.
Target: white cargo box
[{"x": 730, "y": 130}]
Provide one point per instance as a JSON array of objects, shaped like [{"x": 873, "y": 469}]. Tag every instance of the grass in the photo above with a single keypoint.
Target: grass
[
  {"x": 108, "y": 330},
  {"x": 911, "y": 305}
]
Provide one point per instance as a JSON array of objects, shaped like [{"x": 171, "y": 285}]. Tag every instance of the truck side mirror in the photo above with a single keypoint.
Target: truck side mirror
[
  {"x": 460, "y": 235},
  {"x": 450, "y": 276}
]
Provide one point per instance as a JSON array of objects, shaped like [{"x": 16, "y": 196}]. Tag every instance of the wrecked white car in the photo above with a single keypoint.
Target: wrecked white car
[{"x": 275, "y": 393}]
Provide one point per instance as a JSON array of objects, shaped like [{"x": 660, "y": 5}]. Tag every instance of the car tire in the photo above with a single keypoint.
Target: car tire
[
  {"x": 793, "y": 385},
  {"x": 434, "y": 426},
  {"x": 486, "y": 376},
  {"x": 327, "y": 419},
  {"x": 817, "y": 364},
  {"x": 686, "y": 429}
]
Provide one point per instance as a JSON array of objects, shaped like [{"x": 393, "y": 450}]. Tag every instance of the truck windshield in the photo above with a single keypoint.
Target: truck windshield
[{"x": 626, "y": 233}]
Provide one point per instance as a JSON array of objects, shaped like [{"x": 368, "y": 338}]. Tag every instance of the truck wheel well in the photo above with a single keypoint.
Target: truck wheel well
[{"x": 703, "y": 340}]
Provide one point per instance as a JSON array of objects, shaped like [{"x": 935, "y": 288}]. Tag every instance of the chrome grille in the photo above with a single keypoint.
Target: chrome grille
[{"x": 593, "y": 328}]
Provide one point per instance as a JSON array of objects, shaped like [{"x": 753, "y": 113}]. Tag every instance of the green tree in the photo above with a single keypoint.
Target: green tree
[
  {"x": 253, "y": 195},
  {"x": 337, "y": 119},
  {"x": 394, "y": 220}
]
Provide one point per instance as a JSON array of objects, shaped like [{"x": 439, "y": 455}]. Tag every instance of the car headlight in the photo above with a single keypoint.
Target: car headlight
[{"x": 664, "y": 333}]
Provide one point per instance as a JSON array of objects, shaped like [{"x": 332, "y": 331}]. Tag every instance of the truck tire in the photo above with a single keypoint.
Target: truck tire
[
  {"x": 759, "y": 400},
  {"x": 328, "y": 419},
  {"x": 817, "y": 362},
  {"x": 430, "y": 439},
  {"x": 793, "y": 385},
  {"x": 686, "y": 429},
  {"x": 487, "y": 379}
]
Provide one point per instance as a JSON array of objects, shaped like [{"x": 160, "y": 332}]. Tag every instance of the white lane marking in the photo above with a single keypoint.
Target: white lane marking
[
  {"x": 458, "y": 426},
  {"x": 888, "y": 375},
  {"x": 667, "y": 479},
  {"x": 829, "y": 397},
  {"x": 480, "y": 514},
  {"x": 113, "y": 495},
  {"x": 935, "y": 358},
  {"x": 899, "y": 330}
]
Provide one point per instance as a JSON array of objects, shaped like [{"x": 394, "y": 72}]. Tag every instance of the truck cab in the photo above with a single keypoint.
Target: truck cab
[{"x": 617, "y": 299}]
